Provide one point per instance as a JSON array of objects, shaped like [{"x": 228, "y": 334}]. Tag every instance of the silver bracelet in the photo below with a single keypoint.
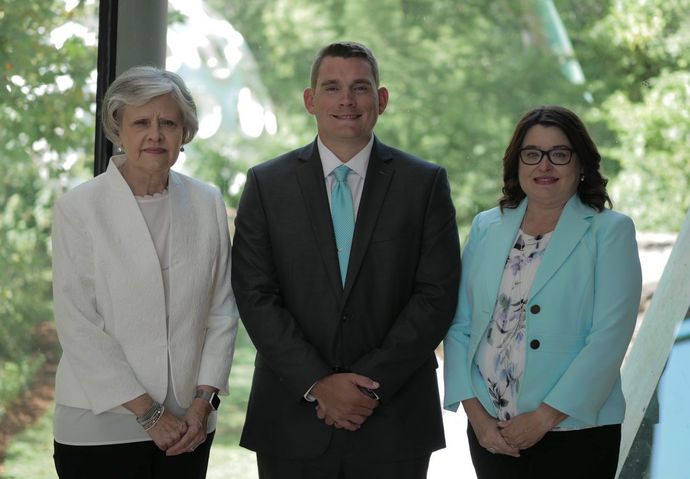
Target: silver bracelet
[
  {"x": 154, "y": 420},
  {"x": 152, "y": 415}
]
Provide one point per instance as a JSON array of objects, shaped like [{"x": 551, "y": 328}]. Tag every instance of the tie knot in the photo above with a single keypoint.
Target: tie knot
[{"x": 341, "y": 173}]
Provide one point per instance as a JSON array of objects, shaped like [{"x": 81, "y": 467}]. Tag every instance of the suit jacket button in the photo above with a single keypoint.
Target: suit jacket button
[
  {"x": 534, "y": 344},
  {"x": 535, "y": 309},
  {"x": 344, "y": 318}
]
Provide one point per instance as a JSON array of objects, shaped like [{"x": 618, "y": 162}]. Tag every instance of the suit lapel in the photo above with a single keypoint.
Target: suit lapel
[
  {"x": 499, "y": 239},
  {"x": 572, "y": 225},
  {"x": 313, "y": 188},
  {"x": 379, "y": 175}
]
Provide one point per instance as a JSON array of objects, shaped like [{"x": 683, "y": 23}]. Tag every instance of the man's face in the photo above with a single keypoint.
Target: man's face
[{"x": 345, "y": 102}]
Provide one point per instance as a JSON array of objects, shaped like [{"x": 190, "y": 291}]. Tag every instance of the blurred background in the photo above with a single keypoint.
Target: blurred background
[{"x": 460, "y": 73}]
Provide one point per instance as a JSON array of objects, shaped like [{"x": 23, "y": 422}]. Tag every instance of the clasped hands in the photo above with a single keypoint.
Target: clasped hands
[
  {"x": 341, "y": 403},
  {"x": 180, "y": 435},
  {"x": 509, "y": 437}
]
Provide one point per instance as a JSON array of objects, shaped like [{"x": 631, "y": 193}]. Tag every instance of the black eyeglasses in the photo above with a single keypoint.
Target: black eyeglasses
[{"x": 557, "y": 156}]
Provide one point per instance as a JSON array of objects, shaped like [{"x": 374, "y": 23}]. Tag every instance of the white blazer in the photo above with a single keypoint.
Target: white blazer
[{"x": 109, "y": 302}]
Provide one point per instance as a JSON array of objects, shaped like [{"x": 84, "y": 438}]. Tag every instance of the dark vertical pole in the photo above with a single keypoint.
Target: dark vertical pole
[{"x": 107, "y": 46}]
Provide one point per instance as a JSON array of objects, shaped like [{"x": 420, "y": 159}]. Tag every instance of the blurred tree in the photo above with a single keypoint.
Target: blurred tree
[
  {"x": 47, "y": 127},
  {"x": 459, "y": 74},
  {"x": 653, "y": 147},
  {"x": 643, "y": 81}
]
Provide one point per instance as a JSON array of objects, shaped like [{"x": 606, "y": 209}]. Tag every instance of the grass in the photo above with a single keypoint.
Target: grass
[{"x": 30, "y": 454}]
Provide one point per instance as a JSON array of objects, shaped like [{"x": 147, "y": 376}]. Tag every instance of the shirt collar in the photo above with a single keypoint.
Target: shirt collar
[{"x": 357, "y": 163}]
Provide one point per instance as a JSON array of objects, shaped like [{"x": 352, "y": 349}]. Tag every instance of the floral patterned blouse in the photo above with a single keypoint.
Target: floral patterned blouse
[{"x": 501, "y": 354}]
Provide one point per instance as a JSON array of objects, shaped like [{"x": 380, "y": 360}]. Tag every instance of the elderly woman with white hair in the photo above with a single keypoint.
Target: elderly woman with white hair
[{"x": 143, "y": 304}]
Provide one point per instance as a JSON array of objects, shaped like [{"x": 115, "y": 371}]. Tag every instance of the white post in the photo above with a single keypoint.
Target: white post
[{"x": 654, "y": 340}]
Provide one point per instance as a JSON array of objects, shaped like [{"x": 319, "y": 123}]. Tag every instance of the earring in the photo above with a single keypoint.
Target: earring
[
  {"x": 582, "y": 177},
  {"x": 182, "y": 148}
]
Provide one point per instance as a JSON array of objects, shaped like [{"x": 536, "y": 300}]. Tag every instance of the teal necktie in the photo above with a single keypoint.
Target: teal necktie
[{"x": 343, "y": 215}]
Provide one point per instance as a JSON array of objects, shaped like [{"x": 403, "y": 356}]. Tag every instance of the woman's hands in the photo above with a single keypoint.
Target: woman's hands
[
  {"x": 487, "y": 429},
  {"x": 168, "y": 431},
  {"x": 172, "y": 434},
  {"x": 195, "y": 420},
  {"x": 508, "y": 437},
  {"x": 525, "y": 430}
]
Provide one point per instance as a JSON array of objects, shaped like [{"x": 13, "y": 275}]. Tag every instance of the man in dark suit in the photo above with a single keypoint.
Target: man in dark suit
[{"x": 345, "y": 267}]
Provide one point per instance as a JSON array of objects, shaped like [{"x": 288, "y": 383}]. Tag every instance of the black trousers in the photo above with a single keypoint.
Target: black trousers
[
  {"x": 136, "y": 460},
  {"x": 336, "y": 463},
  {"x": 586, "y": 453}
]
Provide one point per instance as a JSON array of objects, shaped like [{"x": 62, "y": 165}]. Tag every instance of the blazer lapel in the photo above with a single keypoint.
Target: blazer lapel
[
  {"x": 183, "y": 237},
  {"x": 313, "y": 188},
  {"x": 132, "y": 231},
  {"x": 182, "y": 217},
  {"x": 131, "y": 235},
  {"x": 499, "y": 239},
  {"x": 379, "y": 175},
  {"x": 572, "y": 225}
]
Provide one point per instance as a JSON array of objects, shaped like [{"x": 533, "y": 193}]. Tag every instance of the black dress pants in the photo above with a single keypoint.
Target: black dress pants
[
  {"x": 337, "y": 463},
  {"x": 136, "y": 460},
  {"x": 584, "y": 453}
]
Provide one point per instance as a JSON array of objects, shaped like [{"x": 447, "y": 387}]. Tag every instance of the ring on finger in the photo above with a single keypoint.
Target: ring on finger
[{"x": 491, "y": 450}]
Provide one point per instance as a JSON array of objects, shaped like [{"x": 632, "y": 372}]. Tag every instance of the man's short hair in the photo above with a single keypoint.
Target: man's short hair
[{"x": 344, "y": 50}]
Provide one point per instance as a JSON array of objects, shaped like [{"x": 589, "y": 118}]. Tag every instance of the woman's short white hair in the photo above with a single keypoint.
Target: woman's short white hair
[{"x": 139, "y": 85}]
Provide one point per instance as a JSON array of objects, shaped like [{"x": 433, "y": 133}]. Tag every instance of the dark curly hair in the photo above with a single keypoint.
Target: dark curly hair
[{"x": 591, "y": 190}]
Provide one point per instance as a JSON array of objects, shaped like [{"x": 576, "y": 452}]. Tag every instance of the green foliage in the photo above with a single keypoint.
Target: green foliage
[
  {"x": 31, "y": 455},
  {"x": 46, "y": 121},
  {"x": 461, "y": 73},
  {"x": 640, "y": 53},
  {"x": 15, "y": 376},
  {"x": 223, "y": 160},
  {"x": 654, "y": 144}
]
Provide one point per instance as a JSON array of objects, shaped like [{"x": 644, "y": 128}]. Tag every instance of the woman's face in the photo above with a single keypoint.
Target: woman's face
[
  {"x": 151, "y": 134},
  {"x": 545, "y": 183}
]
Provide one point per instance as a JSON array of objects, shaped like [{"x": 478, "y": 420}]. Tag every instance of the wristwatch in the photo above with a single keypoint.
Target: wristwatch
[{"x": 209, "y": 396}]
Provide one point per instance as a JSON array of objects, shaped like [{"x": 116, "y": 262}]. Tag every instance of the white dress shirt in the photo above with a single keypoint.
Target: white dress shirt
[
  {"x": 355, "y": 180},
  {"x": 358, "y": 164}
]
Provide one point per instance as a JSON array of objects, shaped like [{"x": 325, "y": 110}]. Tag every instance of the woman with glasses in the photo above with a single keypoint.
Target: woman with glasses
[{"x": 548, "y": 301}]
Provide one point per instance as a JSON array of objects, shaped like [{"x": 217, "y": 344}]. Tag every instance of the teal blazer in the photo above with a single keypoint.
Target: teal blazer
[{"x": 580, "y": 316}]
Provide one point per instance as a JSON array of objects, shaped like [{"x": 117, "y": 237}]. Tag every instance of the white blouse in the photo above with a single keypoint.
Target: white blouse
[{"x": 501, "y": 354}]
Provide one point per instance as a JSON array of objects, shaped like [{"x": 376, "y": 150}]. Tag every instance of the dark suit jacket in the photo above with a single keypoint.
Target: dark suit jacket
[{"x": 397, "y": 303}]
